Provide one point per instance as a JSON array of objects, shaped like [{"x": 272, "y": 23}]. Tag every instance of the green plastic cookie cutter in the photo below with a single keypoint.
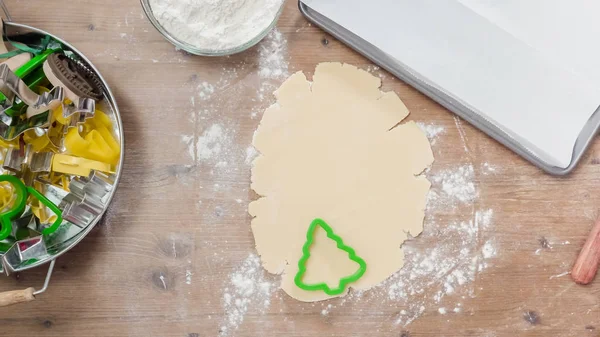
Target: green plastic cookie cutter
[
  {"x": 343, "y": 282},
  {"x": 22, "y": 192},
  {"x": 15, "y": 212}
]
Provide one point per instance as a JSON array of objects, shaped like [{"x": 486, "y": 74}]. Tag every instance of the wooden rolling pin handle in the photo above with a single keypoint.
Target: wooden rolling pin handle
[
  {"x": 17, "y": 296},
  {"x": 586, "y": 266}
]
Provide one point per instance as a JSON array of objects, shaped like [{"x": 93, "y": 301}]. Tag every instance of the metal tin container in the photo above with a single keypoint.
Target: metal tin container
[{"x": 64, "y": 242}]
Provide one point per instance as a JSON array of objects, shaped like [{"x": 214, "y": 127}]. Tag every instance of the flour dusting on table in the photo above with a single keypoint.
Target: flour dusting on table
[
  {"x": 273, "y": 56},
  {"x": 214, "y": 144},
  {"x": 457, "y": 253},
  {"x": 205, "y": 91},
  {"x": 273, "y": 65},
  {"x": 257, "y": 77},
  {"x": 432, "y": 131},
  {"x": 457, "y": 186},
  {"x": 247, "y": 289}
]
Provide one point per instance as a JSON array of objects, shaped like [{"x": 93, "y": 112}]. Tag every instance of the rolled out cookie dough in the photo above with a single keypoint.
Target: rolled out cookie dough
[{"x": 333, "y": 149}]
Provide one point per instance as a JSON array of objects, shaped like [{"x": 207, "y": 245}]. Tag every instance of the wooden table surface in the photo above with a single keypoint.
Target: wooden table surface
[{"x": 178, "y": 227}]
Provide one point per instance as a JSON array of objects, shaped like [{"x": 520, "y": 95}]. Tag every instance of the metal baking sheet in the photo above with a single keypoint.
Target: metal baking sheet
[{"x": 399, "y": 70}]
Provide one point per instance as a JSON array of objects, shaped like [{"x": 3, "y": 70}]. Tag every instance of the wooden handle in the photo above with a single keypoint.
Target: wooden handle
[
  {"x": 586, "y": 266},
  {"x": 17, "y": 296}
]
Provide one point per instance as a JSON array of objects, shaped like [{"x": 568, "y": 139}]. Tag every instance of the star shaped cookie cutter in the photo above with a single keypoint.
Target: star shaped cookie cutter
[{"x": 343, "y": 282}]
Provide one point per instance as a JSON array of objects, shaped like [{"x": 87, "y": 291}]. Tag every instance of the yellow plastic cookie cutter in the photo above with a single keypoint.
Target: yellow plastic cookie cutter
[
  {"x": 37, "y": 138},
  {"x": 14, "y": 212},
  {"x": 63, "y": 163},
  {"x": 343, "y": 282},
  {"x": 97, "y": 144},
  {"x": 6, "y": 196},
  {"x": 39, "y": 209},
  {"x": 55, "y": 179}
]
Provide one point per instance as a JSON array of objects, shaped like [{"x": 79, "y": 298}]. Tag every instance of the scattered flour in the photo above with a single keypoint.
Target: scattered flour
[
  {"x": 247, "y": 289},
  {"x": 327, "y": 310},
  {"x": 216, "y": 146},
  {"x": 456, "y": 185},
  {"x": 211, "y": 142},
  {"x": 488, "y": 168},
  {"x": 205, "y": 90},
  {"x": 372, "y": 68},
  {"x": 457, "y": 251},
  {"x": 251, "y": 154},
  {"x": 375, "y": 70},
  {"x": 459, "y": 247},
  {"x": 488, "y": 250},
  {"x": 188, "y": 276},
  {"x": 432, "y": 131},
  {"x": 210, "y": 145},
  {"x": 273, "y": 65},
  {"x": 272, "y": 61}
]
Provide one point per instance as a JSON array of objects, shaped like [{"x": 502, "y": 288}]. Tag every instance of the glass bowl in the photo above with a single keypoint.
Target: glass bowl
[{"x": 207, "y": 52}]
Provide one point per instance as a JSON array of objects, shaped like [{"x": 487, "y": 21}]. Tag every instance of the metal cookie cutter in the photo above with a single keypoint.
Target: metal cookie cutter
[
  {"x": 88, "y": 198},
  {"x": 74, "y": 115},
  {"x": 79, "y": 112},
  {"x": 15, "y": 159},
  {"x": 82, "y": 86},
  {"x": 32, "y": 74},
  {"x": 12, "y": 86},
  {"x": 14, "y": 130},
  {"x": 26, "y": 163}
]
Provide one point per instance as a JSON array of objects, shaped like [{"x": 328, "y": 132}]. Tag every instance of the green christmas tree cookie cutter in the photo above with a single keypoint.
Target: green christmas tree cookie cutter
[{"x": 343, "y": 282}]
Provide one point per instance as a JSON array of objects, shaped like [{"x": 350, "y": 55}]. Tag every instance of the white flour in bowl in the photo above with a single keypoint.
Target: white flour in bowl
[{"x": 215, "y": 25}]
